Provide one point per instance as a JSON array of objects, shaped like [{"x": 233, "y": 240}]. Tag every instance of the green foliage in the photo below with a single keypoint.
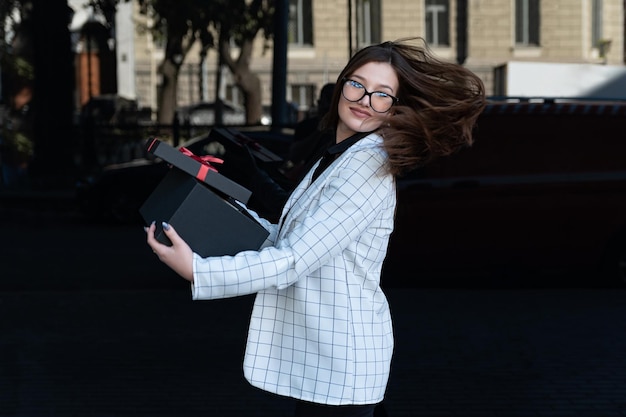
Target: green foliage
[
  {"x": 15, "y": 57},
  {"x": 22, "y": 68},
  {"x": 239, "y": 20},
  {"x": 18, "y": 144},
  {"x": 202, "y": 20}
]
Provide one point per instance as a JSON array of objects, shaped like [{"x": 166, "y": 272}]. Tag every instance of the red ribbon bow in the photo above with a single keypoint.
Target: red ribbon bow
[{"x": 204, "y": 160}]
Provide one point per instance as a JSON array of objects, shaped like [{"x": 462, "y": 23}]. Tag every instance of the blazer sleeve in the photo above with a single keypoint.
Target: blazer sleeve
[
  {"x": 272, "y": 228},
  {"x": 334, "y": 211}
]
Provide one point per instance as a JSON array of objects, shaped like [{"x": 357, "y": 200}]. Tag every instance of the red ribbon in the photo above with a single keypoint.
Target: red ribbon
[{"x": 204, "y": 160}]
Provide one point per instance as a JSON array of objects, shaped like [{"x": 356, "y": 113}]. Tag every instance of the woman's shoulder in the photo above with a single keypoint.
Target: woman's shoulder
[
  {"x": 371, "y": 140},
  {"x": 369, "y": 151},
  {"x": 371, "y": 143}
]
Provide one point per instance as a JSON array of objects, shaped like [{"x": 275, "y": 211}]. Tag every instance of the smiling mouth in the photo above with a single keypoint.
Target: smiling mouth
[{"x": 357, "y": 111}]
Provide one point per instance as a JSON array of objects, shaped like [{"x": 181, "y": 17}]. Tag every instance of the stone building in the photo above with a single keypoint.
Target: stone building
[{"x": 482, "y": 34}]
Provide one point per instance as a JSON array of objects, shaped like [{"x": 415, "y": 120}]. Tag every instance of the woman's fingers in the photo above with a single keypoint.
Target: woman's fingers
[
  {"x": 150, "y": 238},
  {"x": 179, "y": 256}
]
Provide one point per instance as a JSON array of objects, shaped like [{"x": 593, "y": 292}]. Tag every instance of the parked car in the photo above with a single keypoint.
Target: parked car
[
  {"x": 110, "y": 109},
  {"x": 203, "y": 114}
]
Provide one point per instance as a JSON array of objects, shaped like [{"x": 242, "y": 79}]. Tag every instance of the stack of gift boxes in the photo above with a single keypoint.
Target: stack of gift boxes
[{"x": 202, "y": 205}]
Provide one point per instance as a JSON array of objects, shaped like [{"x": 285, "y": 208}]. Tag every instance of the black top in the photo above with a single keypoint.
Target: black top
[{"x": 333, "y": 151}]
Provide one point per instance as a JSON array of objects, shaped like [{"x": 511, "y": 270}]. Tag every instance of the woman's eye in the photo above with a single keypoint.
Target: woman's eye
[
  {"x": 355, "y": 84},
  {"x": 381, "y": 94}
]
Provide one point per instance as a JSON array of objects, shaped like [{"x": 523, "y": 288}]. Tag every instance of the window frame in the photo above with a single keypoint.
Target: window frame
[
  {"x": 596, "y": 23},
  {"x": 302, "y": 95},
  {"x": 527, "y": 22},
  {"x": 300, "y": 25},
  {"x": 368, "y": 22},
  {"x": 437, "y": 22}
]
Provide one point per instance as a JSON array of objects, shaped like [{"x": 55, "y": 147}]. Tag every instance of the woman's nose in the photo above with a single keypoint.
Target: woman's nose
[{"x": 363, "y": 101}]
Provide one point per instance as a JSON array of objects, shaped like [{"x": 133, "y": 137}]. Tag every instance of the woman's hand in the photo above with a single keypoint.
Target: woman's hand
[{"x": 179, "y": 256}]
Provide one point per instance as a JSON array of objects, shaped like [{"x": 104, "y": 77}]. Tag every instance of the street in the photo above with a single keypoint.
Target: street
[{"x": 92, "y": 324}]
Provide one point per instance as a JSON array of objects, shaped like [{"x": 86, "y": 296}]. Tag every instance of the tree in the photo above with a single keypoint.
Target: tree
[
  {"x": 185, "y": 22},
  {"x": 12, "y": 14},
  {"x": 181, "y": 23},
  {"x": 18, "y": 75},
  {"x": 38, "y": 61},
  {"x": 241, "y": 22}
]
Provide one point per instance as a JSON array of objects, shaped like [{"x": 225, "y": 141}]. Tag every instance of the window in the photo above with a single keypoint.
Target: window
[
  {"x": 300, "y": 26},
  {"x": 438, "y": 22},
  {"x": 368, "y": 22},
  {"x": 302, "y": 95},
  {"x": 596, "y": 23},
  {"x": 233, "y": 95},
  {"x": 527, "y": 22}
]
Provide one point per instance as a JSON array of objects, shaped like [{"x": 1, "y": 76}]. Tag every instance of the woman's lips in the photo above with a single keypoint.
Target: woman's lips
[{"x": 360, "y": 113}]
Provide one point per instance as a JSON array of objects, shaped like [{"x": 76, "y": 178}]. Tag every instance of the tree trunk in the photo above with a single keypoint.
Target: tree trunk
[
  {"x": 178, "y": 45},
  {"x": 167, "y": 91},
  {"x": 246, "y": 80},
  {"x": 250, "y": 84}
]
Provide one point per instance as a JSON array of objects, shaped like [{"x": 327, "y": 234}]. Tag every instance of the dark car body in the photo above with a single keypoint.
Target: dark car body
[
  {"x": 540, "y": 194},
  {"x": 109, "y": 109}
]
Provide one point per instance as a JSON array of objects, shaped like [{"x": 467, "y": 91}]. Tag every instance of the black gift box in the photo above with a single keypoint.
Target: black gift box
[
  {"x": 204, "y": 213},
  {"x": 198, "y": 170}
]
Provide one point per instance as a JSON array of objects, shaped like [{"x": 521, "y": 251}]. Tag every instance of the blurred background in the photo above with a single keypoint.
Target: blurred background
[
  {"x": 84, "y": 84},
  {"x": 84, "y": 81}
]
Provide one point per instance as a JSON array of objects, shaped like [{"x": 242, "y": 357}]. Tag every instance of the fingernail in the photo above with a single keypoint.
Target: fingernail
[
  {"x": 165, "y": 225},
  {"x": 153, "y": 222},
  {"x": 145, "y": 229}
]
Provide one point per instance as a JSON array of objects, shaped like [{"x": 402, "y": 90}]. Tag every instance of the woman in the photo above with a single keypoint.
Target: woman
[{"x": 321, "y": 329}]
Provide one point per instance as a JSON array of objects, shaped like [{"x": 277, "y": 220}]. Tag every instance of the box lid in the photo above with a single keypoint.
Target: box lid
[{"x": 198, "y": 170}]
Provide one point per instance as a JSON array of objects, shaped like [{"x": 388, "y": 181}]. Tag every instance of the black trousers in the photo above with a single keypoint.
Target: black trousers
[{"x": 307, "y": 409}]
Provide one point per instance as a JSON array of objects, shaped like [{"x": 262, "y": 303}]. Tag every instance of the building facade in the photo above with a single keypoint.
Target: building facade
[{"x": 481, "y": 34}]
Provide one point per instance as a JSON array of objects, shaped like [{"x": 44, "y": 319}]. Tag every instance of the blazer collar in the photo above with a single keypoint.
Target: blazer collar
[{"x": 340, "y": 147}]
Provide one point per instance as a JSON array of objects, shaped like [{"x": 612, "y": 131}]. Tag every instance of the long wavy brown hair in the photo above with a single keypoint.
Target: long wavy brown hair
[{"x": 439, "y": 103}]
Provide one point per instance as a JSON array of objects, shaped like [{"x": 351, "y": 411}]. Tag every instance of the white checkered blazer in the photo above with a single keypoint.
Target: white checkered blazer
[{"x": 321, "y": 327}]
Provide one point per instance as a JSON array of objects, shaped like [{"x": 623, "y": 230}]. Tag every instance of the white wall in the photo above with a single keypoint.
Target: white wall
[
  {"x": 125, "y": 38},
  {"x": 542, "y": 79}
]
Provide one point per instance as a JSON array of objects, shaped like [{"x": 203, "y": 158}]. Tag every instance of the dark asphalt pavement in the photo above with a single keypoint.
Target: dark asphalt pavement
[{"x": 91, "y": 324}]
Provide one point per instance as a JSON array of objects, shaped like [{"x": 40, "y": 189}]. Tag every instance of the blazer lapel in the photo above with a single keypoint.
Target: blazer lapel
[{"x": 299, "y": 199}]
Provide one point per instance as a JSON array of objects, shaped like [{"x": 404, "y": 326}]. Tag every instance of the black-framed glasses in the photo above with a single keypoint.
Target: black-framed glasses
[{"x": 380, "y": 102}]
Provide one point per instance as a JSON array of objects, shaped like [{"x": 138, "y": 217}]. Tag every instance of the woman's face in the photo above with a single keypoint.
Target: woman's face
[{"x": 359, "y": 116}]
